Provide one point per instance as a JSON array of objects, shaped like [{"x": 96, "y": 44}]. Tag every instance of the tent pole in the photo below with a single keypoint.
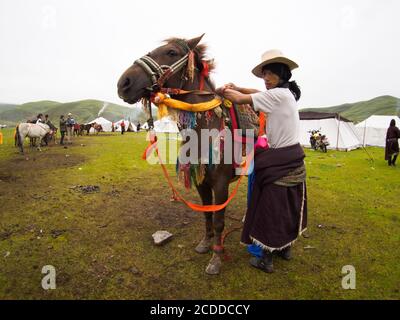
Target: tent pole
[
  {"x": 337, "y": 138},
  {"x": 365, "y": 129},
  {"x": 366, "y": 151}
]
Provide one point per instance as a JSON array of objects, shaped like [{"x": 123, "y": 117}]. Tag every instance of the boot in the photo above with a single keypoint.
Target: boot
[
  {"x": 394, "y": 160},
  {"x": 390, "y": 161},
  {"x": 265, "y": 264},
  {"x": 286, "y": 253}
]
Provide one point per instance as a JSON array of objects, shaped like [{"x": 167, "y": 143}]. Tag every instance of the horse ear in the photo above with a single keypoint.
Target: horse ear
[{"x": 192, "y": 43}]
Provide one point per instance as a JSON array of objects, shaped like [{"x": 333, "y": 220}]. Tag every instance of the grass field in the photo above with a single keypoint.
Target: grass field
[{"x": 101, "y": 244}]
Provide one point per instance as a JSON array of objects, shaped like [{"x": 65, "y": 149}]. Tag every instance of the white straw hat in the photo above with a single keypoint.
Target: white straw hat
[{"x": 273, "y": 56}]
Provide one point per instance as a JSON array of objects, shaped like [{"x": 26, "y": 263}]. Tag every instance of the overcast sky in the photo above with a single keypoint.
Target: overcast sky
[{"x": 77, "y": 49}]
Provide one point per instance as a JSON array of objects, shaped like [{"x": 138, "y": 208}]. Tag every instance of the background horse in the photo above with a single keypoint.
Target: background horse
[
  {"x": 98, "y": 128},
  {"x": 30, "y": 130},
  {"x": 150, "y": 74}
]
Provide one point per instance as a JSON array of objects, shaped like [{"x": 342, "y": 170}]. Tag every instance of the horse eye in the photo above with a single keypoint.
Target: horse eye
[{"x": 172, "y": 53}]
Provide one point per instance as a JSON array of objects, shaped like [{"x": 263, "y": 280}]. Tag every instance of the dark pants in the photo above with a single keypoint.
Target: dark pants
[
  {"x": 122, "y": 130},
  {"x": 62, "y": 137},
  {"x": 392, "y": 160}
]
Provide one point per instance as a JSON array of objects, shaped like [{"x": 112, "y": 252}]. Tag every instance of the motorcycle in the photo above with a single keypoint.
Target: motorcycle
[{"x": 318, "y": 141}]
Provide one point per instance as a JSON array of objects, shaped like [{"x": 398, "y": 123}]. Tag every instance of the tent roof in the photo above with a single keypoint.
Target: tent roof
[
  {"x": 100, "y": 120},
  {"x": 321, "y": 115},
  {"x": 382, "y": 122}
]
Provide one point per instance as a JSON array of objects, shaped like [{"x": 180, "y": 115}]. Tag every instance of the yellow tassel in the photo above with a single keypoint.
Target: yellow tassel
[{"x": 162, "y": 111}]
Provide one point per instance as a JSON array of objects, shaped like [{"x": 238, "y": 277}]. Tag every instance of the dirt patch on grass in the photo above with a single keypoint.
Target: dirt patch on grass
[
  {"x": 7, "y": 178},
  {"x": 37, "y": 161}
]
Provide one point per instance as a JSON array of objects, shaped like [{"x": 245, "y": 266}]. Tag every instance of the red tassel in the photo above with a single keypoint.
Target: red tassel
[{"x": 204, "y": 74}]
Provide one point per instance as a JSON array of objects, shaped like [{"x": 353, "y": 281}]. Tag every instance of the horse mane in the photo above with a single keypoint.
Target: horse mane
[{"x": 200, "y": 53}]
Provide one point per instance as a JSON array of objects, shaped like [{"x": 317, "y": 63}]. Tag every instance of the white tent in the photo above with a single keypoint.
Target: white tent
[
  {"x": 340, "y": 132},
  {"x": 105, "y": 124},
  {"x": 129, "y": 126},
  {"x": 372, "y": 131}
]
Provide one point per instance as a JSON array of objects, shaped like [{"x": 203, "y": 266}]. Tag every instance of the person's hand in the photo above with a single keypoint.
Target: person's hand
[
  {"x": 230, "y": 94},
  {"x": 232, "y": 86},
  {"x": 220, "y": 91}
]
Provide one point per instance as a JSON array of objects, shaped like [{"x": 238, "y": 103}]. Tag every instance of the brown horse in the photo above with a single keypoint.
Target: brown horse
[
  {"x": 97, "y": 128},
  {"x": 147, "y": 75}
]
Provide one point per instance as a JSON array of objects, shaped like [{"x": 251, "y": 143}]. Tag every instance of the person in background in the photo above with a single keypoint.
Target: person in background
[
  {"x": 63, "y": 128},
  {"x": 39, "y": 118},
  {"x": 48, "y": 136},
  {"x": 70, "y": 127},
  {"x": 77, "y": 128},
  {"x": 122, "y": 127},
  {"x": 392, "y": 143}
]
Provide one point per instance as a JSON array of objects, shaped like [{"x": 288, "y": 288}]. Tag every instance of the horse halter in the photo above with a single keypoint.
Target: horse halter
[{"x": 160, "y": 74}]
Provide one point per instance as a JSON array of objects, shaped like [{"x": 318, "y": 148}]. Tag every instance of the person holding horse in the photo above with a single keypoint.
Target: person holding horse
[
  {"x": 39, "y": 118},
  {"x": 277, "y": 211},
  {"x": 392, "y": 143}
]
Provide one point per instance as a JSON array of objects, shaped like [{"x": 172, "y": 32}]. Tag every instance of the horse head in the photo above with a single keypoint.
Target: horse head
[{"x": 166, "y": 66}]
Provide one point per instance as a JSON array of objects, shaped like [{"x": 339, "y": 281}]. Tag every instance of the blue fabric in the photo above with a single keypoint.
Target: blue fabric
[
  {"x": 253, "y": 249},
  {"x": 251, "y": 178}
]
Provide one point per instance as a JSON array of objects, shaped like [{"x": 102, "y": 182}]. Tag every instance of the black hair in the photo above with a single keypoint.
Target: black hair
[
  {"x": 283, "y": 72},
  {"x": 393, "y": 123}
]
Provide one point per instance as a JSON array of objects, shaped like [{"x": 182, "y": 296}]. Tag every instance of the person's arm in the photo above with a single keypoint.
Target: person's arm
[
  {"x": 246, "y": 90},
  {"x": 237, "y": 97},
  {"x": 232, "y": 86},
  {"x": 398, "y": 133}
]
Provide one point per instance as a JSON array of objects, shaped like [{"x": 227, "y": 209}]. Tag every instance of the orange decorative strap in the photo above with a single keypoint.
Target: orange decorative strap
[{"x": 194, "y": 206}]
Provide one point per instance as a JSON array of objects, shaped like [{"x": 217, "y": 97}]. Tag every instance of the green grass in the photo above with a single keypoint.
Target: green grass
[
  {"x": 359, "y": 111},
  {"x": 101, "y": 243}
]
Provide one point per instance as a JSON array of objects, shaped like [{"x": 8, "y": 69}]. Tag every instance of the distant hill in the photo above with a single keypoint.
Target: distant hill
[
  {"x": 83, "y": 111},
  {"x": 359, "y": 111}
]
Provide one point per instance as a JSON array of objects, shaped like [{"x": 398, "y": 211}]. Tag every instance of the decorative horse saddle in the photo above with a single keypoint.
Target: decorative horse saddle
[{"x": 243, "y": 117}]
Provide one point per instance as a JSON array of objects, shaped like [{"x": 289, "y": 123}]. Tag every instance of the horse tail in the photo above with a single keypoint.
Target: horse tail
[{"x": 17, "y": 136}]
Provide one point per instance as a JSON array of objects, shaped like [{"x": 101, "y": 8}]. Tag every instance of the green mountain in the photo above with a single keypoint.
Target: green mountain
[
  {"x": 83, "y": 111},
  {"x": 359, "y": 111}
]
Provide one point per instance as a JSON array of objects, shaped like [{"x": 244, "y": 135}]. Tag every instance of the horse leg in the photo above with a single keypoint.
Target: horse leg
[
  {"x": 40, "y": 144},
  {"x": 204, "y": 245},
  {"x": 21, "y": 142},
  {"x": 221, "y": 195}
]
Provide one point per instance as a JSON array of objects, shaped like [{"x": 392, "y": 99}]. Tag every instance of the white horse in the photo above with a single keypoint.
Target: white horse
[{"x": 30, "y": 130}]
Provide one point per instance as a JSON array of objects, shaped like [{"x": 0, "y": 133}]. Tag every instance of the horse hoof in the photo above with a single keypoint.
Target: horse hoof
[
  {"x": 204, "y": 246},
  {"x": 214, "y": 266}
]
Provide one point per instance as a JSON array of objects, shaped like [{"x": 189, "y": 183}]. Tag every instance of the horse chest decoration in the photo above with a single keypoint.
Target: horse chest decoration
[{"x": 178, "y": 69}]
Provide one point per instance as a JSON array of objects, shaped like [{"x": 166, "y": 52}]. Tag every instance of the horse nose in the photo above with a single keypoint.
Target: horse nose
[{"x": 124, "y": 84}]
